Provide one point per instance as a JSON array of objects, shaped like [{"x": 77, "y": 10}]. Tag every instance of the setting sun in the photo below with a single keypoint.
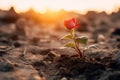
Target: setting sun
[{"x": 74, "y": 5}]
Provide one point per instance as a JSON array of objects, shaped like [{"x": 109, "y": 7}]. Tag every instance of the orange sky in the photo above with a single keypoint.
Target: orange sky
[{"x": 76, "y": 5}]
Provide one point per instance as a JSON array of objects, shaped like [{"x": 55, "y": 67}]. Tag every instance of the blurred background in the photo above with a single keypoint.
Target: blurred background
[{"x": 31, "y": 18}]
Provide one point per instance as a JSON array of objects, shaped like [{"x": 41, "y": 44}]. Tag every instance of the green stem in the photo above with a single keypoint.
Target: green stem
[{"x": 76, "y": 44}]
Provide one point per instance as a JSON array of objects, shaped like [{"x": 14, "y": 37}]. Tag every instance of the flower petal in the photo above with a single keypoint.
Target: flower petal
[
  {"x": 76, "y": 26},
  {"x": 71, "y": 23},
  {"x": 74, "y": 20},
  {"x": 66, "y": 22}
]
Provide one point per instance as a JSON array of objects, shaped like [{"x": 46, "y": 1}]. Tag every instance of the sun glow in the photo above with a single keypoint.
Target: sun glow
[{"x": 75, "y": 5}]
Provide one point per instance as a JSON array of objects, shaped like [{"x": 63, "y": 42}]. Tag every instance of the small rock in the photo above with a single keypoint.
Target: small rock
[
  {"x": 5, "y": 42},
  {"x": 38, "y": 65},
  {"x": 116, "y": 31},
  {"x": 118, "y": 39},
  {"x": 64, "y": 78},
  {"x": 96, "y": 54},
  {"x": 53, "y": 54},
  {"x": 17, "y": 44},
  {"x": 3, "y": 47},
  {"x": 35, "y": 77},
  {"x": 101, "y": 38},
  {"x": 116, "y": 54},
  {"x": 6, "y": 67},
  {"x": 35, "y": 40},
  {"x": 2, "y": 53},
  {"x": 40, "y": 51},
  {"x": 44, "y": 52}
]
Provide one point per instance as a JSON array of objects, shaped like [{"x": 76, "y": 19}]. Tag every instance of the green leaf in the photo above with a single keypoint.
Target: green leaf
[
  {"x": 71, "y": 45},
  {"x": 82, "y": 40},
  {"x": 67, "y": 37}
]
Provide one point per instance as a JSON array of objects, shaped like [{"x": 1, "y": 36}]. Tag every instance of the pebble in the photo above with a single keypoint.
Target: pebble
[
  {"x": 64, "y": 78},
  {"x": 5, "y": 67}
]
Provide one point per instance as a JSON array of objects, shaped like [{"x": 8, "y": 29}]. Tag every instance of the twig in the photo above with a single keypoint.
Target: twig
[{"x": 25, "y": 51}]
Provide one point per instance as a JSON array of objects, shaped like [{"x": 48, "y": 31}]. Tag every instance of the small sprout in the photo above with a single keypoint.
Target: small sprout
[{"x": 71, "y": 26}]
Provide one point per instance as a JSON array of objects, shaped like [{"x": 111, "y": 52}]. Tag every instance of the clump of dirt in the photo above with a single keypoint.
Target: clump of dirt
[{"x": 70, "y": 67}]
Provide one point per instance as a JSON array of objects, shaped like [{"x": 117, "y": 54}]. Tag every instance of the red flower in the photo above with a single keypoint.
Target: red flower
[{"x": 71, "y": 24}]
